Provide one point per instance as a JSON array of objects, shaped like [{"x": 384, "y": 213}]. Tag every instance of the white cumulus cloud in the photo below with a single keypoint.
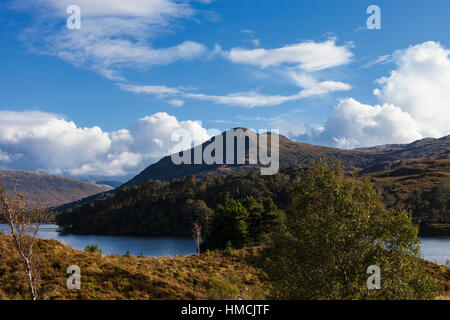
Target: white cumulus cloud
[
  {"x": 354, "y": 124},
  {"x": 415, "y": 104},
  {"x": 421, "y": 86},
  {"x": 33, "y": 140}
]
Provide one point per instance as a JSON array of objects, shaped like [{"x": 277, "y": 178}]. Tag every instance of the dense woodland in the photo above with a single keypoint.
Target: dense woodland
[
  {"x": 431, "y": 206},
  {"x": 160, "y": 208},
  {"x": 250, "y": 205}
]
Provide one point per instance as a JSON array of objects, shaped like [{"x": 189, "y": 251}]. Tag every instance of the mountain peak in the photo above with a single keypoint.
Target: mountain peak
[{"x": 290, "y": 153}]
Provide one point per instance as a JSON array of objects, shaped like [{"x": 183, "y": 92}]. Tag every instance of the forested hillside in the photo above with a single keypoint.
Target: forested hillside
[
  {"x": 171, "y": 208},
  {"x": 161, "y": 208}
]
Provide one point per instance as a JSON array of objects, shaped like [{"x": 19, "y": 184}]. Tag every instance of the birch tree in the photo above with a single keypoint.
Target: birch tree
[
  {"x": 197, "y": 234},
  {"x": 23, "y": 225}
]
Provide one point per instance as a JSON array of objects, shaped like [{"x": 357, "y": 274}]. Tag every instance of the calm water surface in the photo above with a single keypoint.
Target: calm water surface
[
  {"x": 435, "y": 249},
  {"x": 147, "y": 246}
]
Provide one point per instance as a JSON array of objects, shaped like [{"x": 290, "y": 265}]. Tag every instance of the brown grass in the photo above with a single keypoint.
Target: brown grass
[
  {"x": 207, "y": 276},
  {"x": 129, "y": 277}
]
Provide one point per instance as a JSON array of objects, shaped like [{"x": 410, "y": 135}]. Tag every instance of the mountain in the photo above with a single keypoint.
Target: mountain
[
  {"x": 145, "y": 206},
  {"x": 291, "y": 153},
  {"x": 42, "y": 189},
  {"x": 417, "y": 149},
  {"x": 296, "y": 153}
]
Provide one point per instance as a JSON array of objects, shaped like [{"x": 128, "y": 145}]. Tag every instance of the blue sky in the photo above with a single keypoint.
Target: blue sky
[{"x": 308, "y": 68}]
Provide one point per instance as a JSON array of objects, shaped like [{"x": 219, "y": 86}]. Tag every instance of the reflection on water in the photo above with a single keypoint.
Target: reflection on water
[{"x": 435, "y": 249}]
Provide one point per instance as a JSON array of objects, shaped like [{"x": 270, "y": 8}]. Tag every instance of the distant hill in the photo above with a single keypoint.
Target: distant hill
[
  {"x": 111, "y": 183},
  {"x": 417, "y": 149},
  {"x": 291, "y": 153},
  {"x": 421, "y": 186},
  {"x": 42, "y": 189},
  {"x": 405, "y": 176}
]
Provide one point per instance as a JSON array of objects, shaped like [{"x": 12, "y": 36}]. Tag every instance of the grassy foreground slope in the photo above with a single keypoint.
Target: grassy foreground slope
[
  {"x": 206, "y": 276},
  {"x": 213, "y": 275}
]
